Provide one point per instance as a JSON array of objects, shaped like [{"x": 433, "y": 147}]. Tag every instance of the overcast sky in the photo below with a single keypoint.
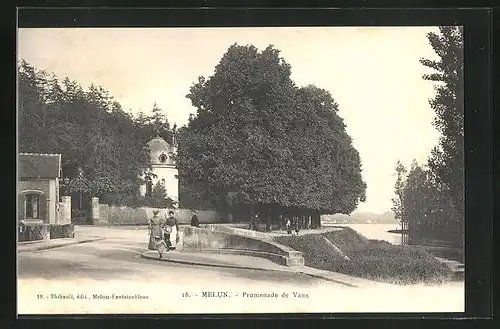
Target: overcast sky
[{"x": 373, "y": 74}]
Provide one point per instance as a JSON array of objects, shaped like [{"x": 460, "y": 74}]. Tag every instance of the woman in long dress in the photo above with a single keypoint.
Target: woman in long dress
[
  {"x": 171, "y": 231},
  {"x": 156, "y": 241}
]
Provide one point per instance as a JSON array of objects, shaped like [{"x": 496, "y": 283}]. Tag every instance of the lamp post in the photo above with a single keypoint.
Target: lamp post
[{"x": 64, "y": 184}]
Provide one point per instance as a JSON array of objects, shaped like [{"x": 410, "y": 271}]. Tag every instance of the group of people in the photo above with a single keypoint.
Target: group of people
[
  {"x": 164, "y": 233},
  {"x": 292, "y": 228}
]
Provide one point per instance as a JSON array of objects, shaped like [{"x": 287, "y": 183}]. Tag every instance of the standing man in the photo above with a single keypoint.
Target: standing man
[
  {"x": 288, "y": 226},
  {"x": 171, "y": 231},
  {"x": 194, "y": 220}
]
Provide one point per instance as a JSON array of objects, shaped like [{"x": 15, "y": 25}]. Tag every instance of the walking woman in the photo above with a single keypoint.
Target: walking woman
[
  {"x": 171, "y": 231},
  {"x": 156, "y": 241}
]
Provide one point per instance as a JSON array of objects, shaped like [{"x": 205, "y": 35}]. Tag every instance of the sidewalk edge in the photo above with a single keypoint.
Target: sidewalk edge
[
  {"x": 348, "y": 284},
  {"x": 46, "y": 247}
]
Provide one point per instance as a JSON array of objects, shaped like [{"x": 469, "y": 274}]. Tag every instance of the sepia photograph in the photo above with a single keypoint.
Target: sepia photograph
[{"x": 216, "y": 170}]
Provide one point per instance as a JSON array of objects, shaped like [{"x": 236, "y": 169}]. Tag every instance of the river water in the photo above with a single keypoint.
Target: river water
[{"x": 373, "y": 231}]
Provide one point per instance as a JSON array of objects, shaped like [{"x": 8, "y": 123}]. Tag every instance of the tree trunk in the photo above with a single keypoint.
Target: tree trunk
[
  {"x": 316, "y": 219},
  {"x": 268, "y": 222},
  {"x": 251, "y": 223}
]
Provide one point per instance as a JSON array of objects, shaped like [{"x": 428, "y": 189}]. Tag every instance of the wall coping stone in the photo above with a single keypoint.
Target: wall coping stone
[{"x": 292, "y": 256}]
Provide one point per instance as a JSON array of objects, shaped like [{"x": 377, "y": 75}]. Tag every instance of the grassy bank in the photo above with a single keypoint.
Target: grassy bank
[
  {"x": 446, "y": 252},
  {"x": 370, "y": 259}
]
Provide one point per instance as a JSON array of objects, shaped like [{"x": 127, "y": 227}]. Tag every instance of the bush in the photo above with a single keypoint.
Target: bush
[
  {"x": 371, "y": 259},
  {"x": 456, "y": 254}
]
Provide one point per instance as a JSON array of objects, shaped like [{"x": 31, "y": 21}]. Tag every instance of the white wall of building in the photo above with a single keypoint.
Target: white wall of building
[
  {"x": 53, "y": 200},
  {"x": 163, "y": 167},
  {"x": 169, "y": 174}
]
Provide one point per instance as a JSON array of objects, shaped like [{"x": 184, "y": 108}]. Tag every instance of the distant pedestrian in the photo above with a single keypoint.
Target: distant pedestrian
[
  {"x": 256, "y": 222},
  {"x": 194, "y": 220},
  {"x": 156, "y": 241},
  {"x": 296, "y": 227},
  {"x": 171, "y": 231},
  {"x": 288, "y": 226}
]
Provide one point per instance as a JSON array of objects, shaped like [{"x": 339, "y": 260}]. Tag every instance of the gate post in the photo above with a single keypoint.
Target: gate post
[
  {"x": 66, "y": 210},
  {"x": 95, "y": 210}
]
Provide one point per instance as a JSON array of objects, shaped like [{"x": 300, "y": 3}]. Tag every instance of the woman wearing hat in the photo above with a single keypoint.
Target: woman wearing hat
[
  {"x": 171, "y": 231},
  {"x": 156, "y": 241}
]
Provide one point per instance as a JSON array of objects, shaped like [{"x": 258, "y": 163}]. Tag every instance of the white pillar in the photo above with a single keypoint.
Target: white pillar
[
  {"x": 48, "y": 213},
  {"x": 66, "y": 213},
  {"x": 95, "y": 209}
]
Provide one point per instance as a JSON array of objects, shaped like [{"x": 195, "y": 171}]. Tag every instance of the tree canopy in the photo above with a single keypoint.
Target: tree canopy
[
  {"x": 89, "y": 129},
  {"x": 257, "y": 138}
]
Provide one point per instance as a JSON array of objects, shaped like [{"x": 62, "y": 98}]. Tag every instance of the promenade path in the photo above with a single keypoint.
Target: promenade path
[{"x": 83, "y": 278}]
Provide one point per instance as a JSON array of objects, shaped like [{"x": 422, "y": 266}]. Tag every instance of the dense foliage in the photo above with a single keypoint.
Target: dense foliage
[
  {"x": 90, "y": 130},
  {"x": 431, "y": 198},
  {"x": 259, "y": 140}
]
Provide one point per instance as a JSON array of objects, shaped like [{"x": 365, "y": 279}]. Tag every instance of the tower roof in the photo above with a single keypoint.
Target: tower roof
[
  {"x": 158, "y": 144},
  {"x": 161, "y": 152}
]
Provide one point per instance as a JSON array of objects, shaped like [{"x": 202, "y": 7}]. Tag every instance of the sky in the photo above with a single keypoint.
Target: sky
[{"x": 373, "y": 73}]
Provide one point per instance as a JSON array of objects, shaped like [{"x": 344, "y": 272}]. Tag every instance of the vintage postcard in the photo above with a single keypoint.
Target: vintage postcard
[{"x": 240, "y": 170}]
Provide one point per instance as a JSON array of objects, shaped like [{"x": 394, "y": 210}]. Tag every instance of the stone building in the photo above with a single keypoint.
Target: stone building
[
  {"x": 163, "y": 167},
  {"x": 38, "y": 188}
]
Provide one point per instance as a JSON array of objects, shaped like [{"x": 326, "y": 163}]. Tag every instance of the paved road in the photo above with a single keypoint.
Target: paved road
[
  {"x": 118, "y": 258},
  {"x": 113, "y": 267}
]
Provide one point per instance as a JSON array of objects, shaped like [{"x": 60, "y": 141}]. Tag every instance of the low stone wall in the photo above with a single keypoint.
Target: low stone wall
[
  {"x": 200, "y": 239},
  {"x": 122, "y": 215},
  {"x": 38, "y": 232},
  {"x": 62, "y": 231},
  {"x": 33, "y": 232},
  {"x": 238, "y": 231}
]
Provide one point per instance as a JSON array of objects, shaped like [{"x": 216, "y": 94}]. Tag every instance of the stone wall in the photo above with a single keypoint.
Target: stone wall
[
  {"x": 122, "y": 215},
  {"x": 64, "y": 213},
  {"x": 38, "y": 232},
  {"x": 239, "y": 231},
  {"x": 200, "y": 239}
]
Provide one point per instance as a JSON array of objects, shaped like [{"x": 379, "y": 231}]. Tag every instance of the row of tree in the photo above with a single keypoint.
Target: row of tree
[
  {"x": 90, "y": 130},
  {"x": 430, "y": 198}
]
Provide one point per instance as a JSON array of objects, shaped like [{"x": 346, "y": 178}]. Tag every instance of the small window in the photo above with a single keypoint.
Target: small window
[
  {"x": 163, "y": 182},
  {"x": 32, "y": 205},
  {"x": 163, "y": 158}
]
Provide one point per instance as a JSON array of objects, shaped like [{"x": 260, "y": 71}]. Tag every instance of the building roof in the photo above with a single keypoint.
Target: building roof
[
  {"x": 34, "y": 165},
  {"x": 158, "y": 144}
]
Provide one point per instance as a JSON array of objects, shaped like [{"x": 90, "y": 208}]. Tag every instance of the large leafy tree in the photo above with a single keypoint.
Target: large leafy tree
[
  {"x": 258, "y": 139},
  {"x": 447, "y": 159}
]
